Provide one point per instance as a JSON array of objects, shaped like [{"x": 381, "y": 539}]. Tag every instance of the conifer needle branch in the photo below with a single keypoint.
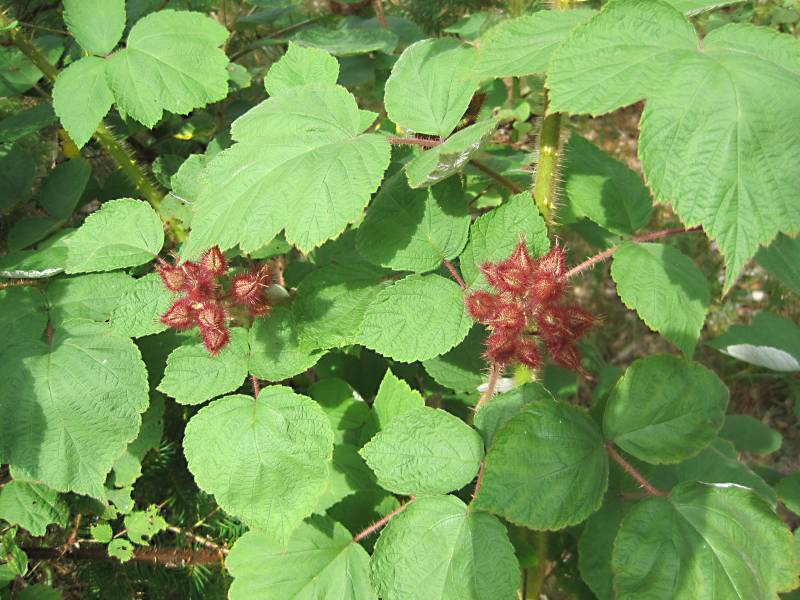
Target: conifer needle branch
[
  {"x": 631, "y": 470},
  {"x": 378, "y": 524}
]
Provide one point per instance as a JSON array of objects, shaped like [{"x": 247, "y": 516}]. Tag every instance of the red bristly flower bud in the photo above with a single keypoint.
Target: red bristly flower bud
[
  {"x": 210, "y": 315},
  {"x": 501, "y": 346},
  {"x": 246, "y": 289},
  {"x": 520, "y": 259},
  {"x": 528, "y": 354},
  {"x": 180, "y": 315},
  {"x": 553, "y": 263},
  {"x": 202, "y": 290},
  {"x": 546, "y": 287},
  {"x": 566, "y": 355},
  {"x": 508, "y": 314},
  {"x": 214, "y": 262},
  {"x": 214, "y": 338},
  {"x": 578, "y": 321},
  {"x": 481, "y": 305},
  {"x": 173, "y": 277}
]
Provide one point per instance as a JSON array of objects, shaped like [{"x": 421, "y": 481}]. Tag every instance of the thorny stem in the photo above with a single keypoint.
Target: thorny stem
[
  {"x": 412, "y": 141},
  {"x": 256, "y": 386},
  {"x": 456, "y": 275},
  {"x": 544, "y": 187},
  {"x": 479, "y": 480},
  {"x": 631, "y": 470},
  {"x": 504, "y": 181},
  {"x": 605, "y": 254},
  {"x": 495, "y": 370},
  {"x": 198, "y": 539},
  {"x": 378, "y": 524}
]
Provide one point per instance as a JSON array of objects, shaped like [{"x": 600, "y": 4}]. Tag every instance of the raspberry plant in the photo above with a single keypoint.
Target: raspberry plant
[{"x": 311, "y": 300}]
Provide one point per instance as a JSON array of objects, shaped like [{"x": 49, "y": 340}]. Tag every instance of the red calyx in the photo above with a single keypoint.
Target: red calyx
[
  {"x": 501, "y": 346},
  {"x": 180, "y": 315},
  {"x": 173, "y": 277},
  {"x": 211, "y": 315},
  {"x": 481, "y": 305},
  {"x": 214, "y": 338},
  {"x": 214, "y": 262},
  {"x": 528, "y": 353},
  {"x": 554, "y": 262}
]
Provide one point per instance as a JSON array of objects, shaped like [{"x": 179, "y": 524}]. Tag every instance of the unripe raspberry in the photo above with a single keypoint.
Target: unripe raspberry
[
  {"x": 180, "y": 315},
  {"x": 501, "y": 346},
  {"x": 173, "y": 277},
  {"x": 214, "y": 338},
  {"x": 528, "y": 354},
  {"x": 214, "y": 262},
  {"x": 210, "y": 315},
  {"x": 481, "y": 305}
]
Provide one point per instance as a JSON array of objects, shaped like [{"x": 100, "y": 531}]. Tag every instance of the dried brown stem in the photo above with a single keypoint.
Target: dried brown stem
[
  {"x": 504, "y": 181},
  {"x": 378, "y": 524},
  {"x": 631, "y": 470}
]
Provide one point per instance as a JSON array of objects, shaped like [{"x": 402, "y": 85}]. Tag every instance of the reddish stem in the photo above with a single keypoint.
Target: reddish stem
[
  {"x": 456, "y": 275},
  {"x": 256, "y": 386},
  {"x": 647, "y": 237},
  {"x": 504, "y": 181},
  {"x": 378, "y": 524},
  {"x": 495, "y": 370},
  {"x": 479, "y": 481},
  {"x": 412, "y": 141},
  {"x": 378, "y": 6},
  {"x": 631, "y": 470}
]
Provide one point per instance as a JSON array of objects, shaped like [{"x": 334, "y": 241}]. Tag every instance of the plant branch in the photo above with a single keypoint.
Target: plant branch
[
  {"x": 378, "y": 524},
  {"x": 256, "y": 386},
  {"x": 199, "y": 539},
  {"x": 479, "y": 480},
  {"x": 413, "y": 141},
  {"x": 456, "y": 275},
  {"x": 504, "y": 181},
  {"x": 173, "y": 558},
  {"x": 546, "y": 182},
  {"x": 378, "y": 5},
  {"x": 631, "y": 470},
  {"x": 495, "y": 371},
  {"x": 605, "y": 254}
]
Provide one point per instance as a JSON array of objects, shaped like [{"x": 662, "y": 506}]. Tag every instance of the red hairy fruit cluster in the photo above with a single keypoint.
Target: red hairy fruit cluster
[
  {"x": 528, "y": 312},
  {"x": 205, "y": 303}
]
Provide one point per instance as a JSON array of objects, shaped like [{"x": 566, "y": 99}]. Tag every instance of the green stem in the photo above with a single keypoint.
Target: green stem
[
  {"x": 534, "y": 578},
  {"x": 545, "y": 187}
]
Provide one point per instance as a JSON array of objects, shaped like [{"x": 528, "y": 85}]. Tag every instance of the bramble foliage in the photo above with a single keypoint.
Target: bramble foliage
[{"x": 289, "y": 311}]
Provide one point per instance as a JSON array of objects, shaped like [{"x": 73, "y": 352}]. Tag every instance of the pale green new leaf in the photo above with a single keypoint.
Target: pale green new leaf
[
  {"x": 32, "y": 506},
  {"x": 142, "y": 525},
  {"x": 666, "y": 290},
  {"x": 193, "y": 376},
  {"x": 275, "y": 350},
  {"x": 530, "y": 480},
  {"x": 665, "y": 409},
  {"x": 266, "y": 460},
  {"x": 770, "y": 341},
  {"x": 172, "y": 61},
  {"x": 450, "y": 157},
  {"x": 347, "y": 39},
  {"x": 438, "y": 549},
  {"x": 494, "y": 236},
  {"x": 416, "y": 318},
  {"x": 300, "y": 66},
  {"x": 70, "y": 408},
  {"x": 693, "y": 8},
  {"x": 394, "y": 398},
  {"x": 96, "y": 24},
  {"x": 123, "y": 233},
  {"x": 300, "y": 165},
  {"x": 424, "y": 451},
  {"x": 523, "y": 46},
  {"x": 138, "y": 311},
  {"x": 703, "y": 541},
  {"x": 414, "y": 230},
  {"x": 331, "y": 566},
  {"x": 92, "y": 297},
  {"x": 81, "y": 97},
  {"x": 431, "y": 86}
]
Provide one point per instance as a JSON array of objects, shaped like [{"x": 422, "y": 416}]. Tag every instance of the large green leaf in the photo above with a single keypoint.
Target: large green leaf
[
  {"x": 703, "y": 541},
  {"x": 300, "y": 66},
  {"x": 70, "y": 408},
  {"x": 346, "y": 410},
  {"x": 770, "y": 341},
  {"x": 90, "y": 297},
  {"x": 331, "y": 565},
  {"x": 172, "y": 61},
  {"x": 63, "y": 187},
  {"x": 437, "y": 549},
  {"x": 666, "y": 290},
  {"x": 495, "y": 414},
  {"x": 414, "y": 230},
  {"x": 547, "y": 467},
  {"x": 394, "y": 398},
  {"x": 32, "y": 506},
  {"x": 749, "y": 434},
  {"x": 347, "y": 39},
  {"x": 523, "y": 46},
  {"x": 462, "y": 368},
  {"x": 596, "y": 545},
  {"x": 138, "y": 311},
  {"x": 494, "y": 236},
  {"x": 192, "y": 376},
  {"x": 300, "y": 165},
  {"x": 782, "y": 260},
  {"x": 665, "y": 409},
  {"x": 128, "y": 466},
  {"x": 416, "y": 318},
  {"x": 23, "y": 313},
  {"x": 96, "y": 24},
  {"x": 349, "y": 475},
  {"x": 19, "y": 73},
  {"x": 424, "y": 451},
  {"x": 431, "y": 86},
  {"x": 275, "y": 350},
  {"x": 266, "y": 460},
  {"x": 123, "y": 233},
  {"x": 82, "y": 97},
  {"x": 16, "y": 175}
]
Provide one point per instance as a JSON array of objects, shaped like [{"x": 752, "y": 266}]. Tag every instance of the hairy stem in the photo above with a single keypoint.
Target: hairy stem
[
  {"x": 479, "y": 480},
  {"x": 504, "y": 181},
  {"x": 413, "y": 141},
  {"x": 631, "y": 470},
  {"x": 605, "y": 254},
  {"x": 256, "y": 386},
  {"x": 495, "y": 371},
  {"x": 379, "y": 524},
  {"x": 545, "y": 186},
  {"x": 534, "y": 578},
  {"x": 456, "y": 275}
]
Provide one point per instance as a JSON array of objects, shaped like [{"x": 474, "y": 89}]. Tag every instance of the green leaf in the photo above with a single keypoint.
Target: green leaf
[
  {"x": 16, "y": 176},
  {"x": 123, "y": 233},
  {"x": 29, "y": 230},
  {"x": 788, "y": 490},
  {"x": 265, "y": 460},
  {"x": 138, "y": 311},
  {"x": 349, "y": 475},
  {"x": 275, "y": 352},
  {"x": 48, "y": 260},
  {"x": 703, "y": 541},
  {"x": 102, "y": 532},
  {"x": 523, "y": 46},
  {"x": 693, "y": 8},
  {"x": 128, "y": 466},
  {"x": 172, "y": 61},
  {"x": 491, "y": 418},
  {"x": 19, "y": 73},
  {"x": 32, "y": 506},
  {"x": 82, "y": 97},
  {"x": 665, "y": 409},
  {"x": 394, "y": 398},
  {"x": 446, "y": 159},
  {"x": 300, "y": 165},
  {"x": 770, "y": 341},
  {"x": 142, "y": 525},
  {"x": 494, "y": 236},
  {"x": 70, "y": 408},
  {"x": 193, "y": 376},
  {"x": 461, "y": 369},
  {"x": 331, "y": 567},
  {"x": 64, "y": 186},
  {"x": 15, "y": 561},
  {"x": 416, "y": 318},
  {"x": 347, "y": 39},
  {"x": 668, "y": 292},
  {"x": 531, "y": 481},
  {"x": 346, "y": 410},
  {"x": 87, "y": 296},
  {"x": 26, "y": 121},
  {"x": 750, "y": 435},
  {"x": 39, "y": 591},
  {"x": 438, "y": 549},
  {"x": 782, "y": 259},
  {"x": 331, "y": 302},
  {"x": 431, "y": 86},
  {"x": 300, "y": 66},
  {"x": 121, "y": 549},
  {"x": 596, "y": 545},
  {"x": 414, "y": 230},
  {"x": 618, "y": 57},
  {"x": 424, "y": 451},
  {"x": 23, "y": 313},
  {"x": 96, "y": 24},
  {"x": 603, "y": 189}
]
